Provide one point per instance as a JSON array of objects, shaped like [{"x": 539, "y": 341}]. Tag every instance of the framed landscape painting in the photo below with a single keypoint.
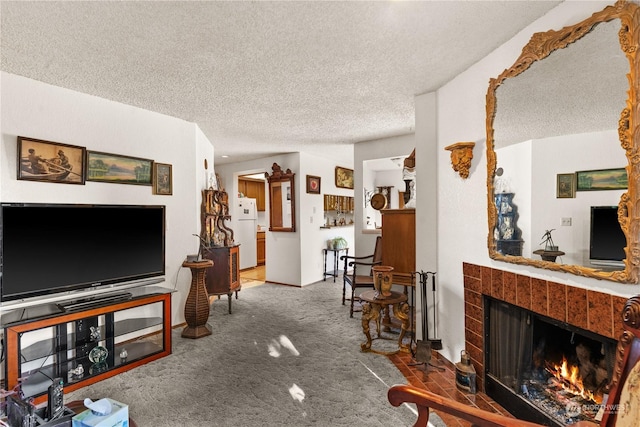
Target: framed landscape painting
[
  {"x": 118, "y": 169},
  {"x": 603, "y": 179},
  {"x": 48, "y": 161},
  {"x": 344, "y": 177},
  {"x": 162, "y": 179}
]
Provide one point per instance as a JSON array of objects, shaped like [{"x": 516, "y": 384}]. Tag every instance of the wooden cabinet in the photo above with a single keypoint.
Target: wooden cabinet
[
  {"x": 253, "y": 189},
  {"x": 57, "y": 343},
  {"x": 262, "y": 251},
  {"x": 223, "y": 278},
  {"x": 399, "y": 242}
]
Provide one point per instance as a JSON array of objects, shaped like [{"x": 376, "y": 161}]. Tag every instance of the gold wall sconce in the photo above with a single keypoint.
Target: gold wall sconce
[{"x": 461, "y": 155}]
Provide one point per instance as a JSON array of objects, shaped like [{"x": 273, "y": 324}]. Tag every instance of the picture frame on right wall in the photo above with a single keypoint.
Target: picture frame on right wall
[
  {"x": 313, "y": 184},
  {"x": 344, "y": 177}
]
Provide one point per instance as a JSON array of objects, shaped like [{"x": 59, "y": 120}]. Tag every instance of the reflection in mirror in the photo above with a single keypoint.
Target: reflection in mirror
[
  {"x": 281, "y": 200},
  {"x": 561, "y": 108}
]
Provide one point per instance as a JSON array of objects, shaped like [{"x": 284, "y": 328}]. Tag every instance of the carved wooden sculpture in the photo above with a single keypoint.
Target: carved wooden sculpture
[{"x": 461, "y": 155}]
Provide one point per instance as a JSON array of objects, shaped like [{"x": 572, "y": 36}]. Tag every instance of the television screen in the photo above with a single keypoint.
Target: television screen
[
  {"x": 607, "y": 239},
  {"x": 54, "y": 248}
]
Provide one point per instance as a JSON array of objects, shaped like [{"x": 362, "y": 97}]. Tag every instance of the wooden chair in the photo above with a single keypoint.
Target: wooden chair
[
  {"x": 353, "y": 279},
  {"x": 623, "y": 405}
]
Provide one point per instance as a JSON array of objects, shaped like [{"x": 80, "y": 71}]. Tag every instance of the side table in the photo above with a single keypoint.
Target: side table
[
  {"x": 196, "y": 309},
  {"x": 371, "y": 310},
  {"x": 336, "y": 256}
]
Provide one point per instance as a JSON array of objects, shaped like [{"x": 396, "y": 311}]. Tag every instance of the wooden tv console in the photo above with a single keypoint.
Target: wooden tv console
[{"x": 45, "y": 342}]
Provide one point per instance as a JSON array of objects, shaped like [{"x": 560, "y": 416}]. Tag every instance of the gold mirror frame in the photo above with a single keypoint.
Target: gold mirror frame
[
  {"x": 276, "y": 203},
  {"x": 539, "y": 47}
]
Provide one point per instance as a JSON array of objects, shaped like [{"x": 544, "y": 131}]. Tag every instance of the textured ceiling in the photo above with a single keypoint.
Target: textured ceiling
[{"x": 261, "y": 78}]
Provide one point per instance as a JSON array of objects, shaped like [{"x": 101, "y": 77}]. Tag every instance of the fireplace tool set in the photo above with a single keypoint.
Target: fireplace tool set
[{"x": 421, "y": 349}]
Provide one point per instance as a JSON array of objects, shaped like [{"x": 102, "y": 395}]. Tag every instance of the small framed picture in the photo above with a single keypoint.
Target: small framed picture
[
  {"x": 566, "y": 186},
  {"x": 313, "y": 184},
  {"x": 118, "y": 169},
  {"x": 48, "y": 161},
  {"x": 162, "y": 179},
  {"x": 344, "y": 177}
]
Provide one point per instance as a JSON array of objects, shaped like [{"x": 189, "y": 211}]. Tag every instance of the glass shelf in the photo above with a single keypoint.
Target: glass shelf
[{"x": 54, "y": 346}]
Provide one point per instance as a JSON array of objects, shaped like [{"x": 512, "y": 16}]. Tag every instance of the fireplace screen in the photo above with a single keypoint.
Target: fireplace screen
[{"x": 560, "y": 371}]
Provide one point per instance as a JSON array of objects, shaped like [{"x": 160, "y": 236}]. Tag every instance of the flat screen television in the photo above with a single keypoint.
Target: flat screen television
[
  {"x": 607, "y": 241},
  {"x": 55, "y": 248}
]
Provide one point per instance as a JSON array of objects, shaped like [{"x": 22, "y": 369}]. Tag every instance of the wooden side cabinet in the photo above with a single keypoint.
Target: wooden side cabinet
[
  {"x": 399, "y": 243},
  {"x": 262, "y": 248},
  {"x": 224, "y": 277}
]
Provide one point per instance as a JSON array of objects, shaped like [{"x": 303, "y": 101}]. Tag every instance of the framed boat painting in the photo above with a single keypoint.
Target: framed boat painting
[
  {"x": 118, "y": 169},
  {"x": 47, "y": 161}
]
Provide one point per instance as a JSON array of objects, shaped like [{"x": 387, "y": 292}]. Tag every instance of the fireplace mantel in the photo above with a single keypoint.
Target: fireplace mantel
[{"x": 591, "y": 310}]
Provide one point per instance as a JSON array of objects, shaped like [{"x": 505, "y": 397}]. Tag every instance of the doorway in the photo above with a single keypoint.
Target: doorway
[{"x": 251, "y": 198}]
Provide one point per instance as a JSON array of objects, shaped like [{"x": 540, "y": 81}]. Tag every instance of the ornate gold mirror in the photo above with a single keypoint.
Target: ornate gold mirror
[
  {"x": 282, "y": 199},
  {"x": 568, "y": 104}
]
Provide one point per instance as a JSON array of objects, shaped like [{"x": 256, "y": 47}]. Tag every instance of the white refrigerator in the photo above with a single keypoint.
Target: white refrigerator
[{"x": 245, "y": 232}]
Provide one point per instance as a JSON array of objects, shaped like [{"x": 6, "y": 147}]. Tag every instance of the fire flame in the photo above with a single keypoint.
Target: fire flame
[{"x": 569, "y": 377}]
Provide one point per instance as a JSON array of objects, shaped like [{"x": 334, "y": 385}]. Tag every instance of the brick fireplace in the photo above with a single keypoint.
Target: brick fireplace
[{"x": 594, "y": 311}]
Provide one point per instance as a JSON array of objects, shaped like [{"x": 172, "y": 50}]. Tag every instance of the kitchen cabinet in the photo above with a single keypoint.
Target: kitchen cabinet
[
  {"x": 262, "y": 251},
  {"x": 253, "y": 189}
]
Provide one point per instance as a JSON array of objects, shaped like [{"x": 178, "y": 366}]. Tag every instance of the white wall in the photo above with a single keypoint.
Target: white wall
[
  {"x": 598, "y": 150},
  {"x": 462, "y": 204},
  {"x": 37, "y": 110},
  {"x": 427, "y": 201}
]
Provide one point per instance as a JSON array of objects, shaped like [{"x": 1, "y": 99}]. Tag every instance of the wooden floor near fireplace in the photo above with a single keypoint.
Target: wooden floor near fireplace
[{"x": 443, "y": 383}]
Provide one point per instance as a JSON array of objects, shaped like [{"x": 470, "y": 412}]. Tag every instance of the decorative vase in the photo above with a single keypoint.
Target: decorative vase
[
  {"x": 98, "y": 354},
  {"x": 382, "y": 280}
]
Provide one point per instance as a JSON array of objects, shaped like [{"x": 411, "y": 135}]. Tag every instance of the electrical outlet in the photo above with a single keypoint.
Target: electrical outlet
[
  {"x": 311, "y": 219},
  {"x": 566, "y": 222}
]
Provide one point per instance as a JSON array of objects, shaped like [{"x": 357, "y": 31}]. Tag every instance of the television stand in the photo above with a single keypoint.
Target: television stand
[
  {"x": 42, "y": 343},
  {"x": 95, "y": 301}
]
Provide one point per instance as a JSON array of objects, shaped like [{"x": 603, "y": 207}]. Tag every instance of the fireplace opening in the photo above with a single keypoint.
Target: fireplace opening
[{"x": 543, "y": 370}]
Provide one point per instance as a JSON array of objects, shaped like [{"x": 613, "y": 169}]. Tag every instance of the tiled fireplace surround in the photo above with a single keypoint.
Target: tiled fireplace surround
[{"x": 595, "y": 311}]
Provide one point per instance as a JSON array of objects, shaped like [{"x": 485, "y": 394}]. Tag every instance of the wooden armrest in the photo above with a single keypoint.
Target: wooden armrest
[
  {"x": 345, "y": 257},
  {"x": 425, "y": 400},
  {"x": 352, "y": 263}
]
